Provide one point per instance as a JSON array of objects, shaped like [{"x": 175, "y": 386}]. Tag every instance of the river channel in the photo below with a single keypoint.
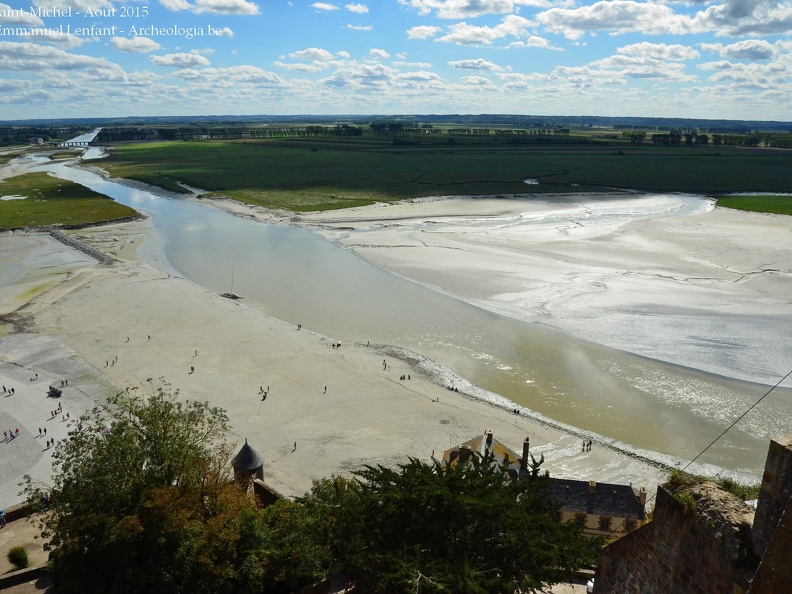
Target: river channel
[{"x": 298, "y": 276}]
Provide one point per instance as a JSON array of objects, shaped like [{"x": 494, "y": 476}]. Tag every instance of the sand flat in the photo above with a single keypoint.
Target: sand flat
[{"x": 367, "y": 415}]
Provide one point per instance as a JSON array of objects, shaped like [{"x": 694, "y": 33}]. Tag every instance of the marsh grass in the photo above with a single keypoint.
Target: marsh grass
[
  {"x": 769, "y": 204},
  {"x": 50, "y": 201},
  {"x": 317, "y": 174}
]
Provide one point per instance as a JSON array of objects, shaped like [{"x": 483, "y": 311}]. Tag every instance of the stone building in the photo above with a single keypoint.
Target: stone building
[
  {"x": 703, "y": 540},
  {"x": 603, "y": 509}
]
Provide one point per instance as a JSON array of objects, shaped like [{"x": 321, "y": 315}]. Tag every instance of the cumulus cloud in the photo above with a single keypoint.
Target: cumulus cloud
[
  {"x": 234, "y": 74},
  {"x": 624, "y": 16},
  {"x": 238, "y": 7},
  {"x": 422, "y": 32},
  {"x": 419, "y": 76},
  {"x": 135, "y": 45},
  {"x": 54, "y": 37},
  {"x": 312, "y": 53},
  {"x": 477, "y": 64},
  {"x": 16, "y": 16},
  {"x": 464, "y": 34},
  {"x": 378, "y": 54},
  {"x": 476, "y": 80},
  {"x": 460, "y": 9},
  {"x": 324, "y": 6},
  {"x": 749, "y": 49},
  {"x": 181, "y": 60},
  {"x": 24, "y": 56},
  {"x": 358, "y": 8},
  {"x": 659, "y": 51}
]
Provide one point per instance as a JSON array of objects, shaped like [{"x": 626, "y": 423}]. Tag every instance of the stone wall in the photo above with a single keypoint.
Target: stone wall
[
  {"x": 700, "y": 548},
  {"x": 775, "y": 493}
]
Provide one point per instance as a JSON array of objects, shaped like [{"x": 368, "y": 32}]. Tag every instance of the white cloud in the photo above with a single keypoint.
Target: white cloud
[
  {"x": 238, "y": 7},
  {"x": 419, "y": 76},
  {"x": 460, "y": 9},
  {"x": 55, "y": 37},
  {"x": 476, "y": 80},
  {"x": 33, "y": 57},
  {"x": 17, "y": 16},
  {"x": 225, "y": 32},
  {"x": 477, "y": 64},
  {"x": 659, "y": 51},
  {"x": 181, "y": 60},
  {"x": 621, "y": 16},
  {"x": 228, "y": 76},
  {"x": 738, "y": 18},
  {"x": 749, "y": 49},
  {"x": 343, "y": 54},
  {"x": 324, "y": 6},
  {"x": 135, "y": 45},
  {"x": 358, "y": 8},
  {"x": 360, "y": 27},
  {"x": 464, "y": 34},
  {"x": 422, "y": 32},
  {"x": 312, "y": 53},
  {"x": 401, "y": 64},
  {"x": 378, "y": 54}
]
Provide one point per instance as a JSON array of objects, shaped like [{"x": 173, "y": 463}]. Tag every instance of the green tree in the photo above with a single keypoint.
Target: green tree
[
  {"x": 425, "y": 527},
  {"x": 142, "y": 499}
]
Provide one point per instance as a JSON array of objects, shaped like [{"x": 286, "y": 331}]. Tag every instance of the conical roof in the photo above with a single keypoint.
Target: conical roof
[{"x": 247, "y": 459}]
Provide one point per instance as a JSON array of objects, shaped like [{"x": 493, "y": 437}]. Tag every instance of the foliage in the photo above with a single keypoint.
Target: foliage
[
  {"x": 142, "y": 499},
  {"x": 18, "y": 557},
  {"x": 679, "y": 483},
  {"x": 49, "y": 201},
  {"x": 771, "y": 204},
  {"x": 424, "y": 527}
]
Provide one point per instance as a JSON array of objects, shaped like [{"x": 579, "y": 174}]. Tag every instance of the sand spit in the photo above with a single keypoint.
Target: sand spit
[{"x": 341, "y": 406}]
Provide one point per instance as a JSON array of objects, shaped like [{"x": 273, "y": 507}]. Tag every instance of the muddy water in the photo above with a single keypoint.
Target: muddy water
[{"x": 297, "y": 276}]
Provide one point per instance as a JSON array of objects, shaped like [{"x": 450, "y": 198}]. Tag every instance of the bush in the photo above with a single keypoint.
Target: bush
[{"x": 18, "y": 557}]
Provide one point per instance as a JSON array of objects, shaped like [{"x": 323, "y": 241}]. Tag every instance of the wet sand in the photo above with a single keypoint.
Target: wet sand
[{"x": 366, "y": 416}]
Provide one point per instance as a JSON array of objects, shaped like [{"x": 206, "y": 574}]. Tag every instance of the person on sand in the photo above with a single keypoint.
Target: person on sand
[
  {"x": 294, "y": 449},
  {"x": 192, "y": 369}
]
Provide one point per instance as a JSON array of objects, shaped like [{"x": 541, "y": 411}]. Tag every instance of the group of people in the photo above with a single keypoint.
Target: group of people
[
  {"x": 9, "y": 391},
  {"x": 587, "y": 445},
  {"x": 10, "y": 434}
]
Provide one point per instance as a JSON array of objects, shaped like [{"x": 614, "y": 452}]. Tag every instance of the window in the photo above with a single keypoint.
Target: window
[
  {"x": 604, "y": 523},
  {"x": 580, "y": 519}
]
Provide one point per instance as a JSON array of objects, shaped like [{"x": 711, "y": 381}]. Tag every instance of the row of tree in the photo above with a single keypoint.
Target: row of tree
[{"x": 143, "y": 502}]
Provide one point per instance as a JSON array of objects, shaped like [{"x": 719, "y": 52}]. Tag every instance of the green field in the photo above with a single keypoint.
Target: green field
[
  {"x": 326, "y": 173},
  {"x": 52, "y": 201},
  {"x": 770, "y": 204}
]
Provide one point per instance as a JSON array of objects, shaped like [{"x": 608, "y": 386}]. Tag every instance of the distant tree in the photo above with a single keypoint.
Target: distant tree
[{"x": 425, "y": 527}]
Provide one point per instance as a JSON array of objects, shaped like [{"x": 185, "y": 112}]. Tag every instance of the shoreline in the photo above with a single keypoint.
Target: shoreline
[{"x": 371, "y": 418}]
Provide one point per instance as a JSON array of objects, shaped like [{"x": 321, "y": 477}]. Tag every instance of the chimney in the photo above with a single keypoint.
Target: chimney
[
  {"x": 464, "y": 455},
  {"x": 592, "y": 487},
  {"x": 526, "y": 453},
  {"x": 489, "y": 438},
  {"x": 642, "y": 496}
]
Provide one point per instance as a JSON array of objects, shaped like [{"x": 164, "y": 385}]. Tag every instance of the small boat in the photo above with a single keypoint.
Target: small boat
[{"x": 231, "y": 294}]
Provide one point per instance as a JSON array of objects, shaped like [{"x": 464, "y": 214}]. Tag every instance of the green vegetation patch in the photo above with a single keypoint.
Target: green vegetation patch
[
  {"x": 316, "y": 174},
  {"x": 52, "y": 201},
  {"x": 771, "y": 204},
  {"x": 679, "y": 483}
]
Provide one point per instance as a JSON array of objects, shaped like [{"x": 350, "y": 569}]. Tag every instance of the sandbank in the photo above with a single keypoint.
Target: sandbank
[{"x": 161, "y": 326}]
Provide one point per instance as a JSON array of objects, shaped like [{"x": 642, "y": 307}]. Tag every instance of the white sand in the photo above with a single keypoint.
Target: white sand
[
  {"x": 708, "y": 288},
  {"x": 367, "y": 416}
]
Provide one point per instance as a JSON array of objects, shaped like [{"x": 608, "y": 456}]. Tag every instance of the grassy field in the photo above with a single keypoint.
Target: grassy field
[
  {"x": 326, "y": 173},
  {"x": 771, "y": 204},
  {"x": 50, "y": 201}
]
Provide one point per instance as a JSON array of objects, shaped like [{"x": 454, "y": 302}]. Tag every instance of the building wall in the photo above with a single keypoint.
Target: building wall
[
  {"x": 675, "y": 553},
  {"x": 618, "y": 525},
  {"x": 775, "y": 493}
]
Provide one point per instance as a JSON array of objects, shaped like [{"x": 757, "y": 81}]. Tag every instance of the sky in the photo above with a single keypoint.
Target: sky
[{"x": 720, "y": 59}]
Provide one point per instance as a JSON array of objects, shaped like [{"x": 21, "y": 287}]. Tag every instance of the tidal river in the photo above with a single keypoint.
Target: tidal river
[{"x": 298, "y": 276}]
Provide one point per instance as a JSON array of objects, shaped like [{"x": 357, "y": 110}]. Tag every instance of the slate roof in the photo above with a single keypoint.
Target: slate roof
[
  {"x": 247, "y": 459},
  {"x": 606, "y": 500},
  {"x": 480, "y": 445}
]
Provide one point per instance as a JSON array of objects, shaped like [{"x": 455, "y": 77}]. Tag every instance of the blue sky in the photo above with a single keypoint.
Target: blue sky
[{"x": 729, "y": 59}]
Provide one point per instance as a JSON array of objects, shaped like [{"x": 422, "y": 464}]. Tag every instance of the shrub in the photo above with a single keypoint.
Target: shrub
[{"x": 18, "y": 557}]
